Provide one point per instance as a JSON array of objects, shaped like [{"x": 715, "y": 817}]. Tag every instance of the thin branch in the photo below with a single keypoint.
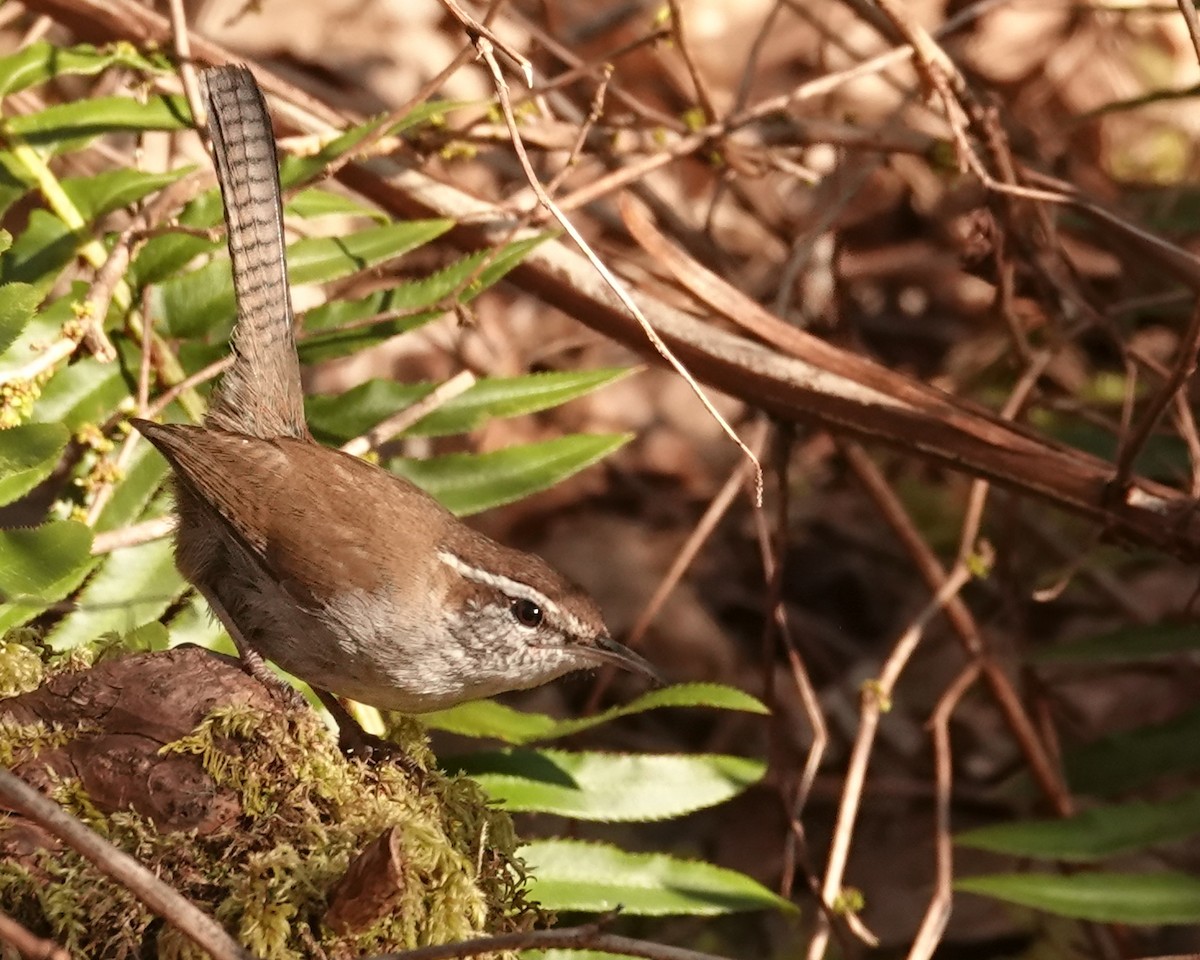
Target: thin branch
[
  {"x": 28, "y": 944},
  {"x": 400, "y": 421},
  {"x": 588, "y": 937},
  {"x": 937, "y": 915},
  {"x": 164, "y": 900},
  {"x": 609, "y": 278},
  {"x": 1185, "y": 366},
  {"x": 703, "y": 94}
]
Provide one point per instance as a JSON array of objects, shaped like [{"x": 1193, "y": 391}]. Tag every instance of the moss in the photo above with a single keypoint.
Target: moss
[{"x": 307, "y": 812}]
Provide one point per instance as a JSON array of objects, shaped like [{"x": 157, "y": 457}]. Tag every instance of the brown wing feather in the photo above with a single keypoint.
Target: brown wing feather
[{"x": 272, "y": 494}]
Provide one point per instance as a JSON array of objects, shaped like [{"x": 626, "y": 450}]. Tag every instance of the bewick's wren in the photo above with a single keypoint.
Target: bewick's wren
[{"x": 346, "y": 576}]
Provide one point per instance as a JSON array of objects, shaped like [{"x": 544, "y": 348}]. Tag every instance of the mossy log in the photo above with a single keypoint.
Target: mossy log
[{"x": 184, "y": 761}]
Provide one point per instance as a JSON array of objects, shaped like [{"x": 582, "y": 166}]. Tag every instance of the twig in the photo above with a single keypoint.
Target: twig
[
  {"x": 133, "y": 535},
  {"x": 773, "y": 549},
  {"x": 400, "y": 421},
  {"x": 703, "y": 94},
  {"x": 585, "y": 128},
  {"x": 876, "y": 698},
  {"x": 588, "y": 937},
  {"x": 1188, "y": 9},
  {"x": 609, "y": 278},
  {"x": 477, "y": 32},
  {"x": 1184, "y": 367},
  {"x": 679, "y": 566},
  {"x": 164, "y": 900},
  {"x": 28, "y": 944},
  {"x": 181, "y": 40},
  {"x": 937, "y": 914}
]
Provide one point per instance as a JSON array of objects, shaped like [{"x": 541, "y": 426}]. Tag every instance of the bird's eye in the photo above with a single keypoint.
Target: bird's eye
[{"x": 527, "y": 613}]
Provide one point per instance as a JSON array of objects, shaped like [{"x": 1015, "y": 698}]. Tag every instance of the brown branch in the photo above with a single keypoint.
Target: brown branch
[
  {"x": 28, "y": 944},
  {"x": 837, "y": 389},
  {"x": 168, "y": 903},
  {"x": 588, "y": 937}
]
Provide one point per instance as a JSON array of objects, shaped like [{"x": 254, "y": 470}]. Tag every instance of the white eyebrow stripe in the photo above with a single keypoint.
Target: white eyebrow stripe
[{"x": 513, "y": 588}]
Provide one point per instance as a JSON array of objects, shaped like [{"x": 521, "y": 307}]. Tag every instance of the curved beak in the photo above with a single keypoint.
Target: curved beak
[{"x": 608, "y": 650}]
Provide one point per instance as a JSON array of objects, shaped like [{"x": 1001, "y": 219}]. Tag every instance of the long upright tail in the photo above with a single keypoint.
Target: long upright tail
[{"x": 260, "y": 394}]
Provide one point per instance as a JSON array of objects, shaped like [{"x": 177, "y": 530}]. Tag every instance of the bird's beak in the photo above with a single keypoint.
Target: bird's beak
[{"x": 609, "y": 651}]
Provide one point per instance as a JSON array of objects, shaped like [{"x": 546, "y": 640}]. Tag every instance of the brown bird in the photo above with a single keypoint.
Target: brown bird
[{"x": 345, "y": 575}]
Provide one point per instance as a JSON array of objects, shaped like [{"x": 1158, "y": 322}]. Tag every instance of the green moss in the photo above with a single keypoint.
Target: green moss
[{"x": 307, "y": 812}]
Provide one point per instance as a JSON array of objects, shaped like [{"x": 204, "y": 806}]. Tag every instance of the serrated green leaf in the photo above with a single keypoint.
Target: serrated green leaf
[
  {"x": 28, "y": 453},
  {"x": 1094, "y": 834},
  {"x": 1126, "y": 761},
  {"x": 44, "y": 328},
  {"x": 596, "y": 878},
  {"x": 69, "y": 126},
  {"x": 468, "y": 483},
  {"x": 132, "y": 587},
  {"x": 18, "y": 301},
  {"x": 109, "y": 190},
  {"x": 294, "y": 170},
  {"x": 87, "y": 391},
  {"x": 486, "y": 718},
  {"x": 1159, "y": 898},
  {"x": 321, "y": 259},
  {"x": 336, "y": 419},
  {"x": 41, "y": 565},
  {"x": 608, "y": 787},
  {"x": 42, "y": 61},
  {"x": 319, "y": 202},
  {"x": 1127, "y": 645},
  {"x": 149, "y": 636},
  {"x": 143, "y": 478},
  {"x": 343, "y": 327},
  {"x": 202, "y": 302}
]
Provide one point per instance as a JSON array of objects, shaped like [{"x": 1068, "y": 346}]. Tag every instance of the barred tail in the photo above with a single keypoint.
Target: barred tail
[{"x": 260, "y": 394}]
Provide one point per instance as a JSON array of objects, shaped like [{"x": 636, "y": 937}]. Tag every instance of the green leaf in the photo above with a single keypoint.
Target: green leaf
[
  {"x": 486, "y": 718},
  {"x": 468, "y": 483},
  {"x": 41, "y": 565},
  {"x": 15, "y": 180},
  {"x": 69, "y": 126},
  {"x": 110, "y": 190},
  {"x": 87, "y": 391},
  {"x": 42, "y": 61},
  {"x": 1126, "y": 761},
  {"x": 319, "y": 202},
  {"x": 343, "y": 327},
  {"x": 336, "y": 419},
  {"x": 202, "y": 301},
  {"x": 144, "y": 475},
  {"x": 294, "y": 170},
  {"x": 44, "y": 328},
  {"x": 149, "y": 636},
  {"x": 1134, "y": 898},
  {"x": 28, "y": 453},
  {"x": 1127, "y": 645},
  {"x": 1094, "y": 834},
  {"x": 41, "y": 252},
  {"x": 167, "y": 253},
  {"x": 321, "y": 259},
  {"x": 596, "y": 878},
  {"x": 130, "y": 589},
  {"x": 609, "y": 787},
  {"x": 18, "y": 301}
]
